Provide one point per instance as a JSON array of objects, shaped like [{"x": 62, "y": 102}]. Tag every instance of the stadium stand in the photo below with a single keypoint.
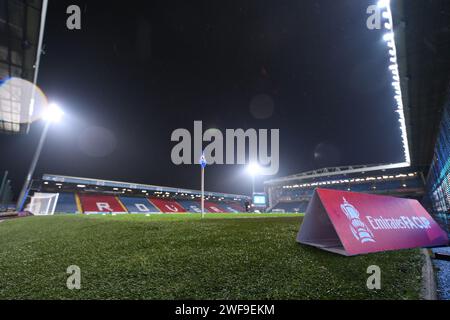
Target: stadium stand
[
  {"x": 213, "y": 207},
  {"x": 167, "y": 206},
  {"x": 290, "y": 206},
  {"x": 102, "y": 196},
  {"x": 138, "y": 205},
  {"x": 66, "y": 203},
  {"x": 292, "y": 193},
  {"x": 191, "y": 206},
  {"x": 96, "y": 203},
  {"x": 231, "y": 207},
  {"x": 128, "y": 204}
]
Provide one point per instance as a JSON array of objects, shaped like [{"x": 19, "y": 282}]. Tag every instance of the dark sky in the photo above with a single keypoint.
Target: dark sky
[{"x": 136, "y": 71}]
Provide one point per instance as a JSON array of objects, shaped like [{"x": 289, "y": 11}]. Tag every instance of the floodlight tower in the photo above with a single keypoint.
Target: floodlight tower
[{"x": 53, "y": 113}]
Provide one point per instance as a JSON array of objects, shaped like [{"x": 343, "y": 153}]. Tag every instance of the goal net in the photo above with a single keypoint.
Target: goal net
[{"x": 42, "y": 204}]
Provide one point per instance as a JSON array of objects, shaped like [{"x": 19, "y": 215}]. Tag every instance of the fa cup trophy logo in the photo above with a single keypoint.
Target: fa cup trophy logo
[{"x": 359, "y": 229}]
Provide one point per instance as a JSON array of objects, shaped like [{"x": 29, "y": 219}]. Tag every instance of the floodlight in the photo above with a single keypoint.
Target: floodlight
[
  {"x": 253, "y": 169},
  {"x": 393, "y": 66},
  {"x": 53, "y": 113}
]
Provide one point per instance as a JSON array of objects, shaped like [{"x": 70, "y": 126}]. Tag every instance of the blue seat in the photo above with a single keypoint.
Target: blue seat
[
  {"x": 138, "y": 205},
  {"x": 66, "y": 203},
  {"x": 191, "y": 206}
]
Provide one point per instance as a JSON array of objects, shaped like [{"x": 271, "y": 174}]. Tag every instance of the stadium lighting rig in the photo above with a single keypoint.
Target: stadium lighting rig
[
  {"x": 253, "y": 169},
  {"x": 52, "y": 113},
  {"x": 389, "y": 39}
]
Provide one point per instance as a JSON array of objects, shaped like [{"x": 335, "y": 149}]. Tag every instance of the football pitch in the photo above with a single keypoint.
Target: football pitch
[{"x": 181, "y": 256}]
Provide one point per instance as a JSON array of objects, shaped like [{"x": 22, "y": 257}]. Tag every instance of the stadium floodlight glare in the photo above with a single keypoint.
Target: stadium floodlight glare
[
  {"x": 253, "y": 169},
  {"x": 393, "y": 67},
  {"x": 388, "y": 36},
  {"x": 53, "y": 113}
]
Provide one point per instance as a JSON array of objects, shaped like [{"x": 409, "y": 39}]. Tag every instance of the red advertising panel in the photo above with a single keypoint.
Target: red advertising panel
[
  {"x": 353, "y": 223},
  {"x": 213, "y": 207},
  {"x": 100, "y": 204},
  {"x": 168, "y": 206}
]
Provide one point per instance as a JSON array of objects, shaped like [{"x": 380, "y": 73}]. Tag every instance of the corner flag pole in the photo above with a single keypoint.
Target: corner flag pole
[
  {"x": 203, "y": 192},
  {"x": 203, "y": 165}
]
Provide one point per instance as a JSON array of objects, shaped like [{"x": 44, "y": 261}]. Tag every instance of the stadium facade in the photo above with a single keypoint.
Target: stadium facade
[{"x": 438, "y": 181}]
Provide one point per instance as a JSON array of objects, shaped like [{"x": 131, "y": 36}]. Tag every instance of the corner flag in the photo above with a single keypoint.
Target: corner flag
[{"x": 203, "y": 161}]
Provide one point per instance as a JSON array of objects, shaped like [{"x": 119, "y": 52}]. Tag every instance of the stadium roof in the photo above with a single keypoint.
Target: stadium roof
[
  {"x": 333, "y": 171},
  {"x": 422, "y": 31},
  {"x": 126, "y": 185},
  {"x": 21, "y": 35}
]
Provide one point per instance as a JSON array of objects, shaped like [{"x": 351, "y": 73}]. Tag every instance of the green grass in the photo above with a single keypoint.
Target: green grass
[{"x": 227, "y": 256}]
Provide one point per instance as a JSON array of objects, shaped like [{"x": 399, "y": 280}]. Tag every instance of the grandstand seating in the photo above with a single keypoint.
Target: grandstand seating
[
  {"x": 294, "y": 195},
  {"x": 191, "y": 205},
  {"x": 231, "y": 207},
  {"x": 213, "y": 207},
  {"x": 379, "y": 186},
  {"x": 66, "y": 203},
  {"x": 384, "y": 186},
  {"x": 100, "y": 204},
  {"x": 138, "y": 205},
  {"x": 166, "y": 205},
  {"x": 290, "y": 206}
]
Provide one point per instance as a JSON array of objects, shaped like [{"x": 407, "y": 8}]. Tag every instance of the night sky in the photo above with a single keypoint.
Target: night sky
[{"x": 136, "y": 71}]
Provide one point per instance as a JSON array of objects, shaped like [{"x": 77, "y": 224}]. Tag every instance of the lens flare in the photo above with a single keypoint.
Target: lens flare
[{"x": 21, "y": 102}]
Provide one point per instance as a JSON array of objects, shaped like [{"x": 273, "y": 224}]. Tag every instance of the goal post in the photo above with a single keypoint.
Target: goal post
[{"x": 43, "y": 204}]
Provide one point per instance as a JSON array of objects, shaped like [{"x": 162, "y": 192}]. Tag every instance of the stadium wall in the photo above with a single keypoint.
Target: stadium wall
[{"x": 438, "y": 181}]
